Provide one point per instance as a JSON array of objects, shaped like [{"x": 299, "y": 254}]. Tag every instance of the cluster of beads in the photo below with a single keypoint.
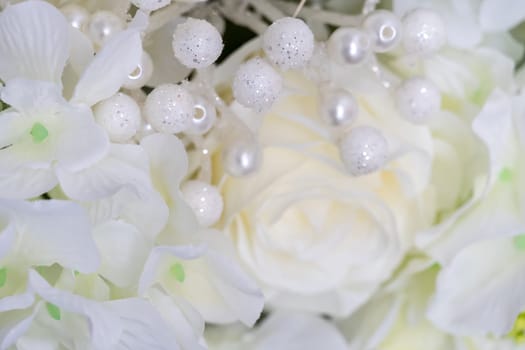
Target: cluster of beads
[{"x": 287, "y": 44}]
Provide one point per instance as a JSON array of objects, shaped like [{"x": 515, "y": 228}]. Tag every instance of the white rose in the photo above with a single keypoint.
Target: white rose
[{"x": 316, "y": 237}]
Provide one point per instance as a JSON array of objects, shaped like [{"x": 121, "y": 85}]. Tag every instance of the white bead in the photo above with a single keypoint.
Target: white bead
[
  {"x": 363, "y": 150},
  {"x": 204, "y": 117},
  {"x": 150, "y": 5},
  {"x": 141, "y": 75},
  {"x": 103, "y": 25},
  {"x": 257, "y": 85},
  {"x": 338, "y": 107},
  {"x": 169, "y": 108},
  {"x": 76, "y": 15},
  {"x": 418, "y": 99},
  {"x": 119, "y": 115},
  {"x": 424, "y": 32},
  {"x": 385, "y": 29},
  {"x": 205, "y": 201},
  {"x": 196, "y": 43},
  {"x": 289, "y": 43},
  {"x": 349, "y": 45},
  {"x": 241, "y": 158},
  {"x": 145, "y": 130}
]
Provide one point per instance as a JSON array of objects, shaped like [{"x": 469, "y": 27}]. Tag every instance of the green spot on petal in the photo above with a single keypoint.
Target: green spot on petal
[
  {"x": 39, "y": 133},
  {"x": 519, "y": 242},
  {"x": 177, "y": 271},
  {"x": 505, "y": 175},
  {"x": 3, "y": 276},
  {"x": 518, "y": 331},
  {"x": 53, "y": 311}
]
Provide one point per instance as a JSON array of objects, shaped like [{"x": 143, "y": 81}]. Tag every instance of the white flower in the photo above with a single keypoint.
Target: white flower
[
  {"x": 481, "y": 247},
  {"x": 42, "y": 134},
  {"x": 198, "y": 266}
]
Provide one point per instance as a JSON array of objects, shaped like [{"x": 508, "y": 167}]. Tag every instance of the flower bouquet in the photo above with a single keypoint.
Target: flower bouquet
[{"x": 262, "y": 175}]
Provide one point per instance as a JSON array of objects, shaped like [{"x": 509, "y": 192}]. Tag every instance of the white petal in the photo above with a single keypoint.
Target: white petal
[
  {"x": 110, "y": 68},
  {"x": 501, "y": 15},
  {"x": 34, "y": 42},
  {"x": 123, "y": 250},
  {"x": 53, "y": 231},
  {"x": 297, "y": 332},
  {"x": 124, "y": 167},
  {"x": 481, "y": 290},
  {"x": 143, "y": 327},
  {"x": 82, "y": 143},
  {"x": 105, "y": 327},
  {"x": 27, "y": 183},
  {"x": 14, "y": 329},
  {"x": 31, "y": 97},
  {"x": 239, "y": 292},
  {"x": 186, "y": 322},
  {"x": 17, "y": 301},
  {"x": 7, "y": 232}
]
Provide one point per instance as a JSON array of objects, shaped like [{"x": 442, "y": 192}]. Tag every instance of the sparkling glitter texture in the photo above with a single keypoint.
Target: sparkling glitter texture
[
  {"x": 289, "y": 43},
  {"x": 196, "y": 43},
  {"x": 257, "y": 85}
]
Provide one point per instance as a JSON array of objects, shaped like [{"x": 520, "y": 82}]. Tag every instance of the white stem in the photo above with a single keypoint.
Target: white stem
[
  {"x": 299, "y": 8},
  {"x": 369, "y": 6},
  {"x": 244, "y": 19},
  {"x": 267, "y": 9},
  {"x": 168, "y": 13},
  {"x": 327, "y": 17}
]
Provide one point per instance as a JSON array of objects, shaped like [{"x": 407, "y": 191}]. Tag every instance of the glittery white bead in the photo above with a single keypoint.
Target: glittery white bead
[
  {"x": 424, "y": 32},
  {"x": 385, "y": 29},
  {"x": 169, "y": 108},
  {"x": 349, "y": 45},
  {"x": 150, "y": 5},
  {"x": 241, "y": 158},
  {"x": 289, "y": 43},
  {"x": 257, "y": 85},
  {"x": 77, "y": 15},
  {"x": 140, "y": 76},
  {"x": 417, "y": 99},
  {"x": 119, "y": 115},
  {"x": 196, "y": 43},
  {"x": 338, "y": 107},
  {"x": 205, "y": 201},
  {"x": 103, "y": 25},
  {"x": 363, "y": 150},
  {"x": 204, "y": 117}
]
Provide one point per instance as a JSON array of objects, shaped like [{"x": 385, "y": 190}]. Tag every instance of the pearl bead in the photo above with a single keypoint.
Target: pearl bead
[
  {"x": 169, "y": 108},
  {"x": 150, "y": 5},
  {"x": 241, "y": 158},
  {"x": 140, "y": 76},
  {"x": 204, "y": 117},
  {"x": 289, "y": 43},
  {"x": 103, "y": 25},
  {"x": 196, "y": 43},
  {"x": 424, "y": 32},
  {"x": 385, "y": 29},
  {"x": 418, "y": 99},
  {"x": 257, "y": 85},
  {"x": 76, "y": 15},
  {"x": 349, "y": 45},
  {"x": 339, "y": 108},
  {"x": 363, "y": 150},
  {"x": 120, "y": 116},
  {"x": 205, "y": 201}
]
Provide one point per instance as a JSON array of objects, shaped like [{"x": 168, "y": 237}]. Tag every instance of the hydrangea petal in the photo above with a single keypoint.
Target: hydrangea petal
[
  {"x": 9, "y": 333},
  {"x": 501, "y": 15},
  {"x": 481, "y": 290},
  {"x": 33, "y": 51},
  {"x": 110, "y": 68},
  {"x": 54, "y": 231}
]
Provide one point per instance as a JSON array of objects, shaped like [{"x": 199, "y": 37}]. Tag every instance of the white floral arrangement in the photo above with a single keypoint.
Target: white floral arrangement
[{"x": 346, "y": 175}]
